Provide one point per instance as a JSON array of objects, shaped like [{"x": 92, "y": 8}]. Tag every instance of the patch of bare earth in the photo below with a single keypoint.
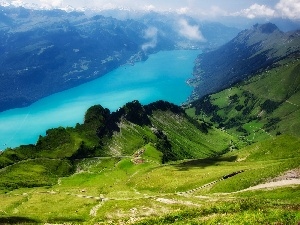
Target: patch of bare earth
[
  {"x": 291, "y": 177},
  {"x": 172, "y": 201}
]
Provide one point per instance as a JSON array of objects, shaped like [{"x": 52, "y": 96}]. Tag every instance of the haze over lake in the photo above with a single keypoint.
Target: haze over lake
[{"x": 162, "y": 76}]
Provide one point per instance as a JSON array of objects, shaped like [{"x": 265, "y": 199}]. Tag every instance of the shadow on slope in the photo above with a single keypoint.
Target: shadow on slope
[
  {"x": 17, "y": 220},
  {"x": 202, "y": 163}
]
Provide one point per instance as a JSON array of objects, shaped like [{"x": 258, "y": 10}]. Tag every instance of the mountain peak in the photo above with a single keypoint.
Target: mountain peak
[{"x": 266, "y": 28}]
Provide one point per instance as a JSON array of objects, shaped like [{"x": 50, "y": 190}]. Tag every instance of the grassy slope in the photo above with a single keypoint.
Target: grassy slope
[
  {"x": 261, "y": 107},
  {"x": 54, "y": 155},
  {"x": 131, "y": 192}
]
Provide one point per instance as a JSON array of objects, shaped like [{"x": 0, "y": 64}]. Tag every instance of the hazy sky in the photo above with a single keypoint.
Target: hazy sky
[{"x": 213, "y": 8}]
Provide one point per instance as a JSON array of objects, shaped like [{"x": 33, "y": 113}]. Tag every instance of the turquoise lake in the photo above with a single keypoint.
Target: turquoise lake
[{"x": 162, "y": 76}]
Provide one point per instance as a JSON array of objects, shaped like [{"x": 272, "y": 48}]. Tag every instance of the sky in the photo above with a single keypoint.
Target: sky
[{"x": 250, "y": 9}]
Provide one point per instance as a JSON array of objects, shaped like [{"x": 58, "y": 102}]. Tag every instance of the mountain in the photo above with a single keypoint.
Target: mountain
[
  {"x": 47, "y": 51},
  {"x": 251, "y": 51},
  {"x": 44, "y": 52},
  {"x": 258, "y": 108}
]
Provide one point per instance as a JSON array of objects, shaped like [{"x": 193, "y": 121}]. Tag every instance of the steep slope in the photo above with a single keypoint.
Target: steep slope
[
  {"x": 263, "y": 106},
  {"x": 250, "y": 51},
  {"x": 162, "y": 125}
]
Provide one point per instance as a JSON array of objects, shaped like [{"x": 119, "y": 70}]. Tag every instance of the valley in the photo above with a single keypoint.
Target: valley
[{"x": 49, "y": 51}]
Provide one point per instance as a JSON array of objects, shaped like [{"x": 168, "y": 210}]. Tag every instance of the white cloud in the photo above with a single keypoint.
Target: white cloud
[
  {"x": 151, "y": 35},
  {"x": 17, "y": 3},
  {"x": 149, "y": 7},
  {"x": 51, "y": 4},
  {"x": 183, "y": 10},
  {"x": 289, "y": 8},
  {"x": 4, "y": 3},
  {"x": 256, "y": 11},
  {"x": 217, "y": 11},
  {"x": 211, "y": 9},
  {"x": 191, "y": 32}
]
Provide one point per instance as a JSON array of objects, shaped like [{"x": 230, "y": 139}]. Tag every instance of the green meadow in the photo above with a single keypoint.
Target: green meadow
[{"x": 124, "y": 190}]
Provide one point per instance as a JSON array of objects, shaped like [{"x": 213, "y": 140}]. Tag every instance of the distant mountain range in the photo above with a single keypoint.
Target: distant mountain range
[
  {"x": 44, "y": 52},
  {"x": 250, "y": 52}
]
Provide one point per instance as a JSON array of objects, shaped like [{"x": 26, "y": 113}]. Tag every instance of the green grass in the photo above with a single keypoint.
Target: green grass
[
  {"x": 243, "y": 211},
  {"x": 153, "y": 193},
  {"x": 269, "y": 101},
  {"x": 130, "y": 138},
  {"x": 152, "y": 154},
  {"x": 283, "y": 195},
  {"x": 135, "y": 187},
  {"x": 33, "y": 173},
  {"x": 187, "y": 140}
]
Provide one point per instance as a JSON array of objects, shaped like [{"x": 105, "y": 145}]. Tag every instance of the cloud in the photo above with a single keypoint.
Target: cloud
[
  {"x": 192, "y": 32},
  {"x": 289, "y": 8},
  {"x": 17, "y": 3},
  {"x": 151, "y": 35},
  {"x": 3, "y": 3},
  {"x": 51, "y": 4},
  {"x": 149, "y": 7},
  {"x": 217, "y": 11},
  {"x": 34, "y": 4},
  {"x": 256, "y": 11},
  {"x": 212, "y": 12},
  {"x": 183, "y": 10},
  {"x": 212, "y": 9}
]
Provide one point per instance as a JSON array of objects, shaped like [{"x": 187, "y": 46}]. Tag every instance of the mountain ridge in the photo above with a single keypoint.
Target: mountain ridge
[
  {"x": 261, "y": 107},
  {"x": 251, "y": 51}
]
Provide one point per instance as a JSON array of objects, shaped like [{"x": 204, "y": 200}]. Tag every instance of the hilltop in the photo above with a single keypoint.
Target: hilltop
[{"x": 162, "y": 125}]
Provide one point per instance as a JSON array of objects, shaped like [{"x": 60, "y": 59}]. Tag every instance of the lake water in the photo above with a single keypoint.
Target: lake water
[{"x": 163, "y": 76}]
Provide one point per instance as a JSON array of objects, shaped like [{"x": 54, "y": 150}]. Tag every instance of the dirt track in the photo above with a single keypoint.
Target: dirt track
[{"x": 291, "y": 177}]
